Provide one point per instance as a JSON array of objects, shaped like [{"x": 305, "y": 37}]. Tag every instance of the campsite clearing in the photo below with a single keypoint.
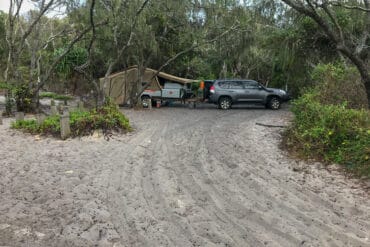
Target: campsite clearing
[{"x": 185, "y": 177}]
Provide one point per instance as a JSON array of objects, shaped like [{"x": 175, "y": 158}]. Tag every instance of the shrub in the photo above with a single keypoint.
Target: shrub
[
  {"x": 108, "y": 118},
  {"x": 4, "y": 85},
  {"x": 331, "y": 132},
  {"x": 47, "y": 95},
  {"x": 18, "y": 95},
  {"x": 9, "y": 104},
  {"x": 54, "y": 96},
  {"x": 23, "y": 97},
  {"x": 27, "y": 125},
  {"x": 51, "y": 125},
  {"x": 337, "y": 83}
]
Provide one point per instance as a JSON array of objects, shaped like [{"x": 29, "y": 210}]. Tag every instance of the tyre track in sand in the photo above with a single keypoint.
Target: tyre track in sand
[
  {"x": 124, "y": 196},
  {"x": 257, "y": 187},
  {"x": 230, "y": 210},
  {"x": 236, "y": 211}
]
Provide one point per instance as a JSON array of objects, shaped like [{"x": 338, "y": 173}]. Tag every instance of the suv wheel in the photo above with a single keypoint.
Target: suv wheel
[
  {"x": 224, "y": 103},
  {"x": 274, "y": 103}
]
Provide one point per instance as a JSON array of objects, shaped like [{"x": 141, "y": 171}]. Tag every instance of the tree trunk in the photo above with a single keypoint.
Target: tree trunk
[
  {"x": 367, "y": 86},
  {"x": 361, "y": 66}
]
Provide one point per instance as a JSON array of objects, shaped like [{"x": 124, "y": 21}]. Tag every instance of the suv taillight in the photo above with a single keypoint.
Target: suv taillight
[{"x": 212, "y": 89}]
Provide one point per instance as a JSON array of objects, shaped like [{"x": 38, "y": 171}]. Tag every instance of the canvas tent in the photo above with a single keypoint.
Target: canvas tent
[{"x": 119, "y": 85}]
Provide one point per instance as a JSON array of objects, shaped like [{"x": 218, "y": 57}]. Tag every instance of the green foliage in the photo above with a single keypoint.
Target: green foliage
[
  {"x": 323, "y": 72},
  {"x": 51, "y": 125},
  {"x": 9, "y": 104},
  {"x": 54, "y": 96},
  {"x": 75, "y": 57},
  {"x": 9, "y": 101},
  {"x": 195, "y": 85},
  {"x": 3, "y": 44},
  {"x": 200, "y": 68},
  {"x": 107, "y": 118},
  {"x": 47, "y": 95},
  {"x": 337, "y": 84},
  {"x": 23, "y": 97},
  {"x": 268, "y": 42},
  {"x": 331, "y": 132},
  {"x": 309, "y": 25},
  {"x": 29, "y": 125},
  {"x": 4, "y": 85},
  {"x": 19, "y": 96}
]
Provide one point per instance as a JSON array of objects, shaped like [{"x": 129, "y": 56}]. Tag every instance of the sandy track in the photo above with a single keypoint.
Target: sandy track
[{"x": 185, "y": 177}]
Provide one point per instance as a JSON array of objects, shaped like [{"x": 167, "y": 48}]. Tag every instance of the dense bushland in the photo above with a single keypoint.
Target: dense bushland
[
  {"x": 338, "y": 83},
  {"x": 326, "y": 128}
]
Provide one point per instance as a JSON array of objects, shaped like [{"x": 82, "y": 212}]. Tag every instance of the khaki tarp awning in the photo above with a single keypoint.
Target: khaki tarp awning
[
  {"x": 120, "y": 84},
  {"x": 160, "y": 74}
]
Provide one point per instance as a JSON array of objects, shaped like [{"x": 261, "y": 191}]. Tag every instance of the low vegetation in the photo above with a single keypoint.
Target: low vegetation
[
  {"x": 55, "y": 96},
  {"x": 3, "y": 86},
  {"x": 328, "y": 130},
  {"x": 107, "y": 118}
]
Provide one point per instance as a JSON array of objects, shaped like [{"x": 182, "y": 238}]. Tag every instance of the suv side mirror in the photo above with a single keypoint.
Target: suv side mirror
[{"x": 260, "y": 87}]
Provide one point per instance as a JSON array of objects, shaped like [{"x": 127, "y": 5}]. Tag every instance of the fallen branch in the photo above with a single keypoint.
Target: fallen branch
[{"x": 272, "y": 126}]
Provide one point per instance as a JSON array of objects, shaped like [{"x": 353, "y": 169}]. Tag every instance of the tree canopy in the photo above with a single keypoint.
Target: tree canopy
[{"x": 278, "y": 43}]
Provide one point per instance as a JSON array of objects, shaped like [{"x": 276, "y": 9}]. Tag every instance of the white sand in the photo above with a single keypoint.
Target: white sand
[{"x": 200, "y": 177}]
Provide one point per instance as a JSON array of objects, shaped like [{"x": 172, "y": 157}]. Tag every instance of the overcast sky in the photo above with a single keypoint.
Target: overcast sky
[{"x": 27, "y": 5}]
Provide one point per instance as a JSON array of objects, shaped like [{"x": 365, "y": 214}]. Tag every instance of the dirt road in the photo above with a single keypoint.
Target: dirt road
[{"x": 185, "y": 177}]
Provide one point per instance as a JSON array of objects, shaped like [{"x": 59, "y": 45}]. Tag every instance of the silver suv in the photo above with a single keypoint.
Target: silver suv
[{"x": 227, "y": 92}]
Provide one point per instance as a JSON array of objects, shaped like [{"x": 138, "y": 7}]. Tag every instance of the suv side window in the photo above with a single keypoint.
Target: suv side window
[
  {"x": 236, "y": 85},
  {"x": 224, "y": 84},
  {"x": 250, "y": 84}
]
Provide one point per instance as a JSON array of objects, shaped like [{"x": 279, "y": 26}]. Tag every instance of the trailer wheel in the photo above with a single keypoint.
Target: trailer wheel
[{"x": 146, "y": 101}]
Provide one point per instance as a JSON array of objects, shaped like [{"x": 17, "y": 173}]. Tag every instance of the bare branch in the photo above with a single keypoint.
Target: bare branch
[
  {"x": 334, "y": 20},
  {"x": 82, "y": 68},
  {"x": 315, "y": 16},
  {"x": 128, "y": 43},
  {"x": 55, "y": 36},
  {"x": 339, "y": 4},
  {"x": 66, "y": 51},
  {"x": 43, "y": 9},
  {"x": 194, "y": 46}
]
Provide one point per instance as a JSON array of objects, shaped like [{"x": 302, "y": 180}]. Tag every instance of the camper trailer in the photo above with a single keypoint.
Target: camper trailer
[
  {"x": 170, "y": 91},
  {"x": 159, "y": 85}
]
